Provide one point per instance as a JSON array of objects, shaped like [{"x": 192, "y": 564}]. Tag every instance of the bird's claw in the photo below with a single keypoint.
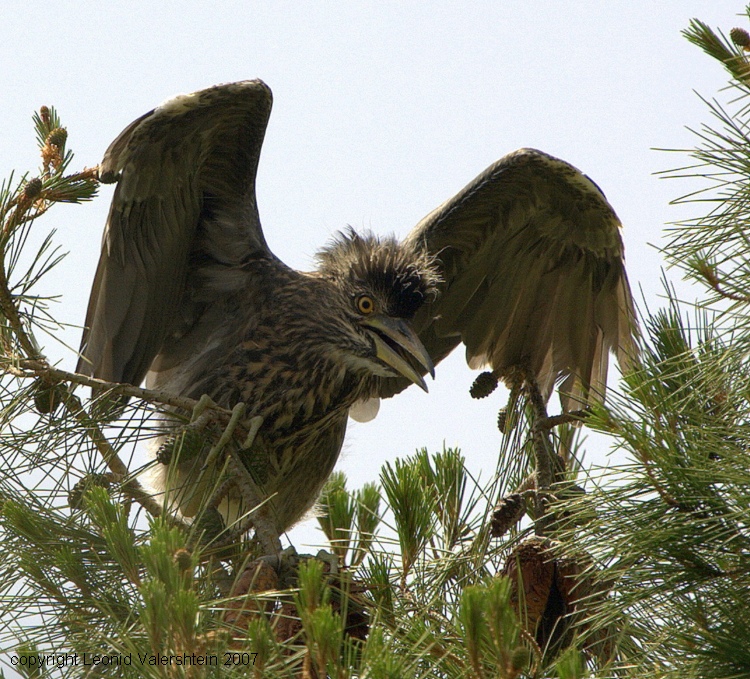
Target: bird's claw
[
  {"x": 255, "y": 423},
  {"x": 205, "y": 402},
  {"x": 238, "y": 413}
]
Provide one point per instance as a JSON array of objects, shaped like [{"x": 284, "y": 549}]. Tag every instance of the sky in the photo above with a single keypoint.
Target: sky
[{"x": 382, "y": 110}]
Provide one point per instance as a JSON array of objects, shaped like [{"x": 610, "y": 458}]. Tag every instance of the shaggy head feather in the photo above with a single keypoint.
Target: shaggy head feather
[{"x": 404, "y": 277}]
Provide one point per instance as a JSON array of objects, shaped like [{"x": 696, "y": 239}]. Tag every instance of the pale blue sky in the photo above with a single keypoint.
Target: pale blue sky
[{"x": 382, "y": 111}]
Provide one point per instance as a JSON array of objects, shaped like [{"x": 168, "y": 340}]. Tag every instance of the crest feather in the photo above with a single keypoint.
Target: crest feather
[{"x": 399, "y": 272}]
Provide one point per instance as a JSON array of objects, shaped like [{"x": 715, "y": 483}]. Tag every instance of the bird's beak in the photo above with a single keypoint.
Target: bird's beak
[{"x": 398, "y": 346}]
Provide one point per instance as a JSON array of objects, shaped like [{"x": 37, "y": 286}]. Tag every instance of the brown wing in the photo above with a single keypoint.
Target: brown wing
[
  {"x": 191, "y": 161},
  {"x": 533, "y": 274}
]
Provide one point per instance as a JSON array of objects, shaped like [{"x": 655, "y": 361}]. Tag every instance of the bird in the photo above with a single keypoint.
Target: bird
[{"x": 524, "y": 267}]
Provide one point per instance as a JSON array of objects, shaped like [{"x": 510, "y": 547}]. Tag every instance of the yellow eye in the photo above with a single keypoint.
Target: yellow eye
[{"x": 365, "y": 304}]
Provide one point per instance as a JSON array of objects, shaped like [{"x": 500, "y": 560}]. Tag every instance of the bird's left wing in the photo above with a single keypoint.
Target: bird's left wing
[
  {"x": 533, "y": 274},
  {"x": 190, "y": 161}
]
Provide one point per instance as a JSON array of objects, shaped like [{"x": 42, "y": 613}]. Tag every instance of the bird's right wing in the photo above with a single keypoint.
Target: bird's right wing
[
  {"x": 190, "y": 161},
  {"x": 533, "y": 275}
]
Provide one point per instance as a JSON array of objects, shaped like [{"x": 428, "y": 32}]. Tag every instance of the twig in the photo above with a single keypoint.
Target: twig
[
  {"x": 40, "y": 368},
  {"x": 131, "y": 486},
  {"x": 665, "y": 495},
  {"x": 42, "y": 201},
  {"x": 564, "y": 418},
  {"x": 708, "y": 273},
  {"x": 545, "y": 470},
  {"x": 535, "y": 650},
  {"x": 10, "y": 311},
  {"x": 221, "y": 490},
  {"x": 544, "y": 458}
]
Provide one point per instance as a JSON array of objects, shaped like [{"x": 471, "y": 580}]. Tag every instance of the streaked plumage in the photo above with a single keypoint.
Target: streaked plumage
[{"x": 524, "y": 265}]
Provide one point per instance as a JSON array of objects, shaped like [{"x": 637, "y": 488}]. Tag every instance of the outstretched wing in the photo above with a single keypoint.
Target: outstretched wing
[
  {"x": 185, "y": 194},
  {"x": 533, "y": 275}
]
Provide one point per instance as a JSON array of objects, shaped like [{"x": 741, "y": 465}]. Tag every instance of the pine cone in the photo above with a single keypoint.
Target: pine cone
[
  {"x": 484, "y": 385},
  {"x": 508, "y": 511},
  {"x": 740, "y": 37}
]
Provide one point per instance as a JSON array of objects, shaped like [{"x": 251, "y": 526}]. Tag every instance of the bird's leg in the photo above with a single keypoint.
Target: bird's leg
[
  {"x": 258, "y": 516},
  {"x": 226, "y": 483},
  {"x": 548, "y": 468},
  {"x": 226, "y": 436},
  {"x": 241, "y": 478}
]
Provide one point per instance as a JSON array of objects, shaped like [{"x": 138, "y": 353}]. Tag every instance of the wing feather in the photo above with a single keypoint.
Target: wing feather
[
  {"x": 533, "y": 274},
  {"x": 184, "y": 168}
]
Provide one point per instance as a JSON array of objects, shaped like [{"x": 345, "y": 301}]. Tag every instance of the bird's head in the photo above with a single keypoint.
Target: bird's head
[{"x": 381, "y": 284}]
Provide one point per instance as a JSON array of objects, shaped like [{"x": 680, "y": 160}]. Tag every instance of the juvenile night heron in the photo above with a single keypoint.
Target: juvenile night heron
[{"x": 524, "y": 266}]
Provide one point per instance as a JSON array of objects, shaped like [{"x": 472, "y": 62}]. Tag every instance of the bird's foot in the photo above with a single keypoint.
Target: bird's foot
[
  {"x": 187, "y": 440},
  {"x": 238, "y": 412},
  {"x": 226, "y": 483},
  {"x": 201, "y": 418}
]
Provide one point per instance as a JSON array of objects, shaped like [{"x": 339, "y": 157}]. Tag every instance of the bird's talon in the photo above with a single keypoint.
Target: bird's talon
[
  {"x": 255, "y": 424},
  {"x": 205, "y": 402}
]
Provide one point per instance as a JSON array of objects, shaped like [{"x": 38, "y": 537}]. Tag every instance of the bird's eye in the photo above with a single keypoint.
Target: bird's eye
[{"x": 365, "y": 304}]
